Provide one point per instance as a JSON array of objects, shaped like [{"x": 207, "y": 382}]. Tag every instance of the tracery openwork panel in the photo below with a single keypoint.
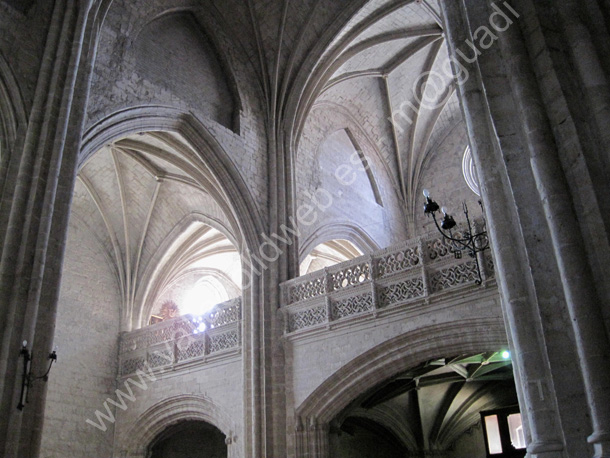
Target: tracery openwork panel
[
  {"x": 307, "y": 318},
  {"x": 400, "y": 292},
  {"x": 437, "y": 249},
  {"x": 181, "y": 339},
  {"x": 399, "y": 261},
  {"x": 158, "y": 333},
  {"x": 352, "y": 305},
  {"x": 454, "y": 276},
  {"x": 229, "y": 313},
  {"x": 132, "y": 365},
  {"x": 409, "y": 272},
  {"x": 308, "y": 289},
  {"x": 160, "y": 357},
  {"x": 224, "y": 341},
  {"x": 350, "y": 276},
  {"x": 189, "y": 348}
]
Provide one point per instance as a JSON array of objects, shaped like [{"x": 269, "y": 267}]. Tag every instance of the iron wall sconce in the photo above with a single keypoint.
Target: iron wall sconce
[
  {"x": 470, "y": 240},
  {"x": 28, "y": 378}
]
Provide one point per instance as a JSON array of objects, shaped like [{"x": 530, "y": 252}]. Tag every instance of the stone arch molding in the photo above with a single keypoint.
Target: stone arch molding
[
  {"x": 351, "y": 232},
  {"x": 137, "y": 439},
  {"x": 246, "y": 213},
  {"x": 164, "y": 118},
  {"x": 12, "y": 111},
  {"x": 314, "y": 415}
]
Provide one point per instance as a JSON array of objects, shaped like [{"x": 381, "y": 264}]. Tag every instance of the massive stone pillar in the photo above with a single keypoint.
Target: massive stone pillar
[
  {"x": 582, "y": 298},
  {"x": 282, "y": 262},
  {"x": 551, "y": 299},
  {"x": 36, "y": 195}
]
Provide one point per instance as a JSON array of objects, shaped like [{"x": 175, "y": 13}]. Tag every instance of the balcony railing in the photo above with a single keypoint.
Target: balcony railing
[
  {"x": 176, "y": 342},
  {"x": 414, "y": 271}
]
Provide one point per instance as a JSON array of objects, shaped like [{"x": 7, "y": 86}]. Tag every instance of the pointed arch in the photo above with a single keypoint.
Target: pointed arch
[
  {"x": 244, "y": 211},
  {"x": 350, "y": 232},
  {"x": 163, "y": 118},
  {"x": 395, "y": 356},
  {"x": 247, "y": 215},
  {"x": 136, "y": 440},
  {"x": 158, "y": 269}
]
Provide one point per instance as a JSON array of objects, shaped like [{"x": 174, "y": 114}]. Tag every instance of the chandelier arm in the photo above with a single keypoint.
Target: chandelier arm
[
  {"x": 483, "y": 240},
  {"x": 474, "y": 243},
  {"x": 480, "y": 234},
  {"x": 474, "y": 250},
  {"x": 461, "y": 241},
  {"x": 45, "y": 375},
  {"x": 483, "y": 247},
  {"x": 480, "y": 278}
]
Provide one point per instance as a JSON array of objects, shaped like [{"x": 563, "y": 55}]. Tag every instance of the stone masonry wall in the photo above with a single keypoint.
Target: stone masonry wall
[
  {"x": 219, "y": 382},
  {"x": 86, "y": 334},
  {"x": 313, "y": 359},
  {"x": 84, "y": 378},
  {"x": 383, "y": 224},
  {"x": 123, "y": 80}
]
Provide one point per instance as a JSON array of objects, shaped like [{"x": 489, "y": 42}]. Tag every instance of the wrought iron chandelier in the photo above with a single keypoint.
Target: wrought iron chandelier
[{"x": 470, "y": 240}]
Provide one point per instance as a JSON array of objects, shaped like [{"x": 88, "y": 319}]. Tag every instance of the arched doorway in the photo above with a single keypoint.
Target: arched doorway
[{"x": 189, "y": 439}]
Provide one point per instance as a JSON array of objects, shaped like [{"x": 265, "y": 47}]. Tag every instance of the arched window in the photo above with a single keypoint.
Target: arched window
[
  {"x": 469, "y": 172},
  {"x": 327, "y": 254},
  {"x": 197, "y": 275}
]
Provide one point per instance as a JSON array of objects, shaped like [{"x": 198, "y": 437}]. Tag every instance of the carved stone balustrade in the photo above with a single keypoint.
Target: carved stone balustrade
[
  {"x": 175, "y": 343},
  {"x": 412, "y": 272}
]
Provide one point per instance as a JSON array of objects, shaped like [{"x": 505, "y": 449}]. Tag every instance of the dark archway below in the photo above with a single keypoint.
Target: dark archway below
[
  {"x": 190, "y": 439},
  {"x": 362, "y": 438},
  {"x": 431, "y": 409}
]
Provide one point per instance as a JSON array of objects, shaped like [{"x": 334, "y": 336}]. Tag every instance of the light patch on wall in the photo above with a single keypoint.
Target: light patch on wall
[
  {"x": 202, "y": 297},
  {"x": 207, "y": 273}
]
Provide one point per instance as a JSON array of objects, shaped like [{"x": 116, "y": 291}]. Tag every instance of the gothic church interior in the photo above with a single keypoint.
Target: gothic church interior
[{"x": 215, "y": 239}]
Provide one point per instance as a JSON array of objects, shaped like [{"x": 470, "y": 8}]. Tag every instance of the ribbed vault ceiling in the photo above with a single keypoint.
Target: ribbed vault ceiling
[
  {"x": 429, "y": 407},
  {"x": 389, "y": 68},
  {"x": 368, "y": 58},
  {"x": 151, "y": 203}
]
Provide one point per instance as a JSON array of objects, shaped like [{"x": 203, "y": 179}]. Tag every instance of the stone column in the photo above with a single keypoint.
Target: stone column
[
  {"x": 311, "y": 438},
  {"x": 569, "y": 251},
  {"x": 511, "y": 260},
  {"x": 572, "y": 37},
  {"x": 37, "y": 194},
  {"x": 282, "y": 264},
  {"x": 587, "y": 39}
]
